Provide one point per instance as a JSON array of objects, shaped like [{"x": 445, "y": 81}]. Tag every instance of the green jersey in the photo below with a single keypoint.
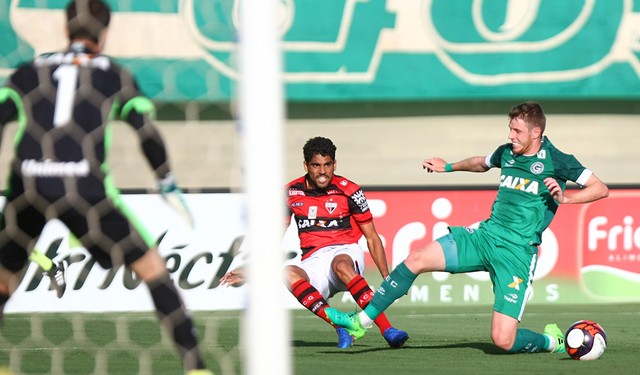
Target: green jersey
[{"x": 524, "y": 207}]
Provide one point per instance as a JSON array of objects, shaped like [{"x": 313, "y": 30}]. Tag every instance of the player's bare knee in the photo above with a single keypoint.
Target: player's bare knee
[
  {"x": 4, "y": 289},
  {"x": 425, "y": 260},
  {"x": 504, "y": 342},
  {"x": 342, "y": 260},
  {"x": 150, "y": 267},
  {"x": 414, "y": 259},
  {"x": 294, "y": 273},
  {"x": 343, "y": 267}
]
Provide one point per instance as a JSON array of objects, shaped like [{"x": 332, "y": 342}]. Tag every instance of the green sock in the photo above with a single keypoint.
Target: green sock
[
  {"x": 529, "y": 342},
  {"x": 40, "y": 259},
  {"x": 393, "y": 287}
]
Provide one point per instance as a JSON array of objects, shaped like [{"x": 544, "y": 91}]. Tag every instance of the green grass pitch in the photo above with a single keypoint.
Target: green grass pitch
[{"x": 443, "y": 340}]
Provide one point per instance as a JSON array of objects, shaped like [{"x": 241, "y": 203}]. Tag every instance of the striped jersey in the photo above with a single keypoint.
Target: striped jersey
[{"x": 327, "y": 217}]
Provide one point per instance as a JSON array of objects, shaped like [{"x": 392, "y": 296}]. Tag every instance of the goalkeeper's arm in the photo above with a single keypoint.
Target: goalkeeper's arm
[{"x": 139, "y": 112}]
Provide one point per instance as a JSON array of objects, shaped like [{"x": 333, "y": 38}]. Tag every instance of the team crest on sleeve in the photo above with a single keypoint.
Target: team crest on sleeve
[{"x": 537, "y": 167}]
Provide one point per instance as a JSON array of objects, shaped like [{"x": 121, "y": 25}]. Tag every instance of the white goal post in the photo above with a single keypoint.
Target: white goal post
[{"x": 266, "y": 328}]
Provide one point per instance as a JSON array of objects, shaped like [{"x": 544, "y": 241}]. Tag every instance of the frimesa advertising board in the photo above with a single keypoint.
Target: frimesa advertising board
[{"x": 590, "y": 253}]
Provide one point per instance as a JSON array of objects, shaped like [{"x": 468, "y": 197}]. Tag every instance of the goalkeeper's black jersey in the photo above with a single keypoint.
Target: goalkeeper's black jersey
[{"x": 63, "y": 103}]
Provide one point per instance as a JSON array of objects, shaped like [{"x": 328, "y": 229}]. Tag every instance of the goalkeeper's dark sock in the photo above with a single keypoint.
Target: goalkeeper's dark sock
[
  {"x": 362, "y": 294},
  {"x": 310, "y": 298},
  {"x": 3, "y": 301},
  {"x": 393, "y": 287},
  {"x": 175, "y": 318},
  {"x": 529, "y": 342}
]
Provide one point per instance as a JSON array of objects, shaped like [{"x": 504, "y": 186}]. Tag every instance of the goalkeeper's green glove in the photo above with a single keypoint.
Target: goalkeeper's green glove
[{"x": 172, "y": 194}]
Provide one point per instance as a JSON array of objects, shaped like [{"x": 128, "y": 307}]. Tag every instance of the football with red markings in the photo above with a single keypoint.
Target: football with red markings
[{"x": 585, "y": 340}]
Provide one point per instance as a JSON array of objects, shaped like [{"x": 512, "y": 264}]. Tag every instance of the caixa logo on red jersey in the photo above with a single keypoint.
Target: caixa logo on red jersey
[{"x": 610, "y": 264}]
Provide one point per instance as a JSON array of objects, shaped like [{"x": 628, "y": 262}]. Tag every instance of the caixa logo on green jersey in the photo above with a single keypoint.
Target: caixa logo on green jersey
[
  {"x": 519, "y": 183},
  {"x": 610, "y": 240}
]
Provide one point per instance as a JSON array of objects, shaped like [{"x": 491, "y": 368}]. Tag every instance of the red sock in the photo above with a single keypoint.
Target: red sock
[
  {"x": 310, "y": 298},
  {"x": 363, "y": 294}
]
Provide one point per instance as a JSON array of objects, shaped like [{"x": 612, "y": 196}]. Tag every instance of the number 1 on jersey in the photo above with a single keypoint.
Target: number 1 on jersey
[{"x": 67, "y": 77}]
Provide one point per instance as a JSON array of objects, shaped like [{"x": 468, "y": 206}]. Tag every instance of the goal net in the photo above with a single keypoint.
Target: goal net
[{"x": 188, "y": 58}]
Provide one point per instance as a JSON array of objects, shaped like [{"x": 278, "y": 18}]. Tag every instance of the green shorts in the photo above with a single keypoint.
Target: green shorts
[{"x": 510, "y": 267}]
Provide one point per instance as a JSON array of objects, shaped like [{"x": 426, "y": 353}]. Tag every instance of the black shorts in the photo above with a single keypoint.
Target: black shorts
[{"x": 103, "y": 229}]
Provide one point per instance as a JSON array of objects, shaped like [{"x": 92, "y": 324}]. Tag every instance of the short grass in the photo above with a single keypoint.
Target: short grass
[
  {"x": 456, "y": 340},
  {"x": 443, "y": 340}
]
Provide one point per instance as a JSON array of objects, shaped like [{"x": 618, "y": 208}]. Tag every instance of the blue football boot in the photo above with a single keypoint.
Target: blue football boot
[
  {"x": 345, "y": 340},
  {"x": 395, "y": 337}
]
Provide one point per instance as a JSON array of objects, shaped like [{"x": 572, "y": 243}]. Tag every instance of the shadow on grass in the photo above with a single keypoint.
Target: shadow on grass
[
  {"x": 485, "y": 347},
  {"x": 314, "y": 344}
]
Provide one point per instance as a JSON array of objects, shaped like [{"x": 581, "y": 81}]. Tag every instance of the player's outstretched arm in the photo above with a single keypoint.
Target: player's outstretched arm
[
  {"x": 8, "y": 108},
  {"x": 139, "y": 112},
  {"x": 472, "y": 164}
]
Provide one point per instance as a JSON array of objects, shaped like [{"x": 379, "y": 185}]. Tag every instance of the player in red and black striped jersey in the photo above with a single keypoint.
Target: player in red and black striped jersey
[
  {"x": 331, "y": 214},
  {"x": 63, "y": 103}
]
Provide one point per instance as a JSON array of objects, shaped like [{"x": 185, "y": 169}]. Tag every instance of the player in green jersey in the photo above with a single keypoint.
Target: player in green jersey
[{"x": 532, "y": 185}]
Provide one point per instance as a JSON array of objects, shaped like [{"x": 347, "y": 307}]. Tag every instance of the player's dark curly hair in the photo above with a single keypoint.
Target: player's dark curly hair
[
  {"x": 319, "y": 145},
  {"x": 87, "y": 18},
  {"x": 531, "y": 112}
]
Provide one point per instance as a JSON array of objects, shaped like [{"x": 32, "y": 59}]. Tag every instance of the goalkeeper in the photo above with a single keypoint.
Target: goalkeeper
[{"x": 63, "y": 102}]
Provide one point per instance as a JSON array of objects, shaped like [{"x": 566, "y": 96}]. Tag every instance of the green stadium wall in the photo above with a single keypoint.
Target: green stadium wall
[{"x": 353, "y": 50}]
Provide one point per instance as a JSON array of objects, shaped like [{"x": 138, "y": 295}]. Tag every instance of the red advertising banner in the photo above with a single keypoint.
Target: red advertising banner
[
  {"x": 589, "y": 253},
  {"x": 609, "y": 246}
]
